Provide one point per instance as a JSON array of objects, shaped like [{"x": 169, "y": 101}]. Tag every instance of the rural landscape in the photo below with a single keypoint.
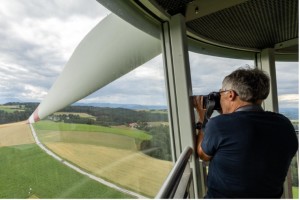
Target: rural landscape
[{"x": 125, "y": 147}]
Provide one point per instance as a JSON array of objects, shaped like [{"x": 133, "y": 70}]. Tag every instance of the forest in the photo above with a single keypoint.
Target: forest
[
  {"x": 114, "y": 116},
  {"x": 14, "y": 112}
]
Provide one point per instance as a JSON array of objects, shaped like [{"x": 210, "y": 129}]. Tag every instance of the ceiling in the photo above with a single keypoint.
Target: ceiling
[{"x": 244, "y": 24}]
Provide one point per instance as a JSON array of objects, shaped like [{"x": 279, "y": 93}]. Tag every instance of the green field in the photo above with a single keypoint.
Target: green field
[
  {"x": 94, "y": 138},
  {"x": 60, "y": 126},
  {"x": 295, "y": 192},
  {"x": 26, "y": 171},
  {"x": 156, "y": 111},
  {"x": 10, "y": 109},
  {"x": 113, "y": 154}
]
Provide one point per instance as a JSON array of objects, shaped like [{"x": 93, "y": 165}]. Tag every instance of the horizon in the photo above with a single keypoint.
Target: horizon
[{"x": 108, "y": 103}]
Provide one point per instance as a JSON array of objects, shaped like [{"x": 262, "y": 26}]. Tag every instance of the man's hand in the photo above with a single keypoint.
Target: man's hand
[{"x": 198, "y": 105}]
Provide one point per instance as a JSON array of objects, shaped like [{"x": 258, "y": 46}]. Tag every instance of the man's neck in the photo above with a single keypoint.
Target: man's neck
[{"x": 240, "y": 104}]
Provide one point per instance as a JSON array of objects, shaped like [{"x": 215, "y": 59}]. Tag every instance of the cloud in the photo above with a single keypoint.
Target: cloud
[
  {"x": 208, "y": 72},
  {"x": 289, "y": 100},
  {"x": 37, "y": 39},
  {"x": 39, "y": 36},
  {"x": 287, "y": 75},
  {"x": 144, "y": 85}
]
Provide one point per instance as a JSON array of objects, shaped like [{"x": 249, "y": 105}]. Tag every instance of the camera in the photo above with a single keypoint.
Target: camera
[{"x": 212, "y": 99}]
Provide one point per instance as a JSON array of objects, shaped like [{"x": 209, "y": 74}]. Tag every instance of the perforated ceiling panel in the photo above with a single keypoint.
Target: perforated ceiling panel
[
  {"x": 253, "y": 24},
  {"x": 173, "y": 7}
]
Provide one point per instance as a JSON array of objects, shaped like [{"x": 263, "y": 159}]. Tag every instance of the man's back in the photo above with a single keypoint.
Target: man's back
[{"x": 251, "y": 154}]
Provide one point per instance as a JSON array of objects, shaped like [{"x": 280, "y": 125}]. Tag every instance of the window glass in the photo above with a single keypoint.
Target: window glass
[
  {"x": 119, "y": 134},
  {"x": 208, "y": 72},
  {"x": 287, "y": 75},
  {"x": 115, "y": 143}
]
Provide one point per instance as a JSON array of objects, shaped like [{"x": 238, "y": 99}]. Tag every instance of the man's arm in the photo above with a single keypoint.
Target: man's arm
[
  {"x": 201, "y": 153},
  {"x": 198, "y": 104}
]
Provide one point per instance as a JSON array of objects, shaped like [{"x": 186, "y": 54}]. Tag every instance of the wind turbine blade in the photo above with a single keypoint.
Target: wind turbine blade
[{"x": 110, "y": 50}]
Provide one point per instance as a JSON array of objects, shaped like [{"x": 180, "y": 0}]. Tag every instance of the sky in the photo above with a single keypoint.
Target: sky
[{"x": 39, "y": 36}]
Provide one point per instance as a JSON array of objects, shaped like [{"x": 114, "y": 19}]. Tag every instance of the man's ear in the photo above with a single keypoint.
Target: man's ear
[{"x": 232, "y": 95}]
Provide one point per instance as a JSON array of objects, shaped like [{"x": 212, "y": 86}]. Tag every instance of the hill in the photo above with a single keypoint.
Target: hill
[
  {"x": 291, "y": 113},
  {"x": 127, "y": 106}
]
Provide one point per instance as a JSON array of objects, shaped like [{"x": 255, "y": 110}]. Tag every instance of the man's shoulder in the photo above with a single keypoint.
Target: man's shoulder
[
  {"x": 241, "y": 116},
  {"x": 275, "y": 116},
  {"x": 221, "y": 119}
]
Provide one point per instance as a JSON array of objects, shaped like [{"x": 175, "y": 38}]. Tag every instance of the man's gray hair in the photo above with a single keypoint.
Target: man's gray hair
[{"x": 250, "y": 84}]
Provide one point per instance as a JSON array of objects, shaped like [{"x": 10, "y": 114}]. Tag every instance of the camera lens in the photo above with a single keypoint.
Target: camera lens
[{"x": 214, "y": 98}]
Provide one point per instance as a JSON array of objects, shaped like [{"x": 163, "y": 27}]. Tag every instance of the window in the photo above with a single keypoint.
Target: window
[
  {"x": 288, "y": 89},
  {"x": 112, "y": 144},
  {"x": 287, "y": 75},
  {"x": 124, "y": 138},
  {"x": 207, "y": 72}
]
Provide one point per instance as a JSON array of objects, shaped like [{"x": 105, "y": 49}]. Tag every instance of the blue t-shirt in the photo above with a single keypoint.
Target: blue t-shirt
[{"x": 251, "y": 153}]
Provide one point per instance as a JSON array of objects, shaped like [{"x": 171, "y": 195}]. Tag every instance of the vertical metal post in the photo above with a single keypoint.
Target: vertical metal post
[
  {"x": 171, "y": 93},
  {"x": 266, "y": 62},
  {"x": 179, "y": 92}
]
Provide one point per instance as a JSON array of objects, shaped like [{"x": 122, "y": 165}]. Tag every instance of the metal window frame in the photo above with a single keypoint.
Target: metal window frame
[
  {"x": 266, "y": 62},
  {"x": 179, "y": 87}
]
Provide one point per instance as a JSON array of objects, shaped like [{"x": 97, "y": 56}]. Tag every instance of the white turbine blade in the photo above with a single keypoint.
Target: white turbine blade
[{"x": 110, "y": 50}]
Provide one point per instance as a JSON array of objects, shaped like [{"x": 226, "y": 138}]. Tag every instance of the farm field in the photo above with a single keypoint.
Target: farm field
[
  {"x": 11, "y": 108},
  {"x": 60, "y": 126},
  {"x": 15, "y": 134},
  {"x": 28, "y": 172},
  {"x": 295, "y": 192},
  {"x": 111, "y": 156},
  {"x": 85, "y": 137},
  {"x": 132, "y": 170}
]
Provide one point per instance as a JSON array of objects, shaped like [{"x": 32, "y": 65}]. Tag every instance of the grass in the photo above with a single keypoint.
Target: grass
[
  {"x": 295, "y": 122},
  {"x": 60, "y": 126},
  {"x": 26, "y": 171},
  {"x": 113, "y": 157},
  {"x": 94, "y": 138},
  {"x": 295, "y": 192},
  {"x": 156, "y": 111},
  {"x": 10, "y": 109}
]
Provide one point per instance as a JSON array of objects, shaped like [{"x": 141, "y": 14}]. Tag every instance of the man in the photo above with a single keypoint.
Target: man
[{"x": 249, "y": 150}]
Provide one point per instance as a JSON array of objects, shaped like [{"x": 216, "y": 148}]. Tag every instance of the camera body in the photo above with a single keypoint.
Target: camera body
[{"x": 212, "y": 98}]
